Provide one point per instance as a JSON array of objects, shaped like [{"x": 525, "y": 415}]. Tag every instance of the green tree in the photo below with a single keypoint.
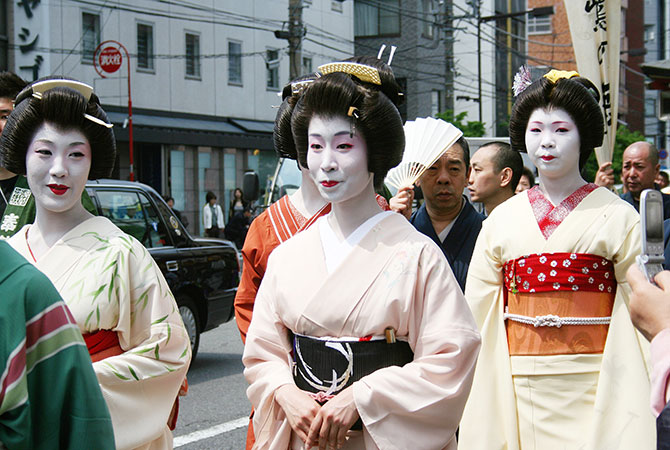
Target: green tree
[
  {"x": 624, "y": 137},
  {"x": 470, "y": 128}
]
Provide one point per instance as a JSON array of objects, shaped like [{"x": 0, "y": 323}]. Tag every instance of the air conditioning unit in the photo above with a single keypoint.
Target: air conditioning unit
[{"x": 664, "y": 106}]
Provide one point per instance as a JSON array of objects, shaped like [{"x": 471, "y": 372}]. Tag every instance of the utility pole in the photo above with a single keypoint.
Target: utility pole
[
  {"x": 295, "y": 33},
  {"x": 479, "y": 57},
  {"x": 449, "y": 54}
]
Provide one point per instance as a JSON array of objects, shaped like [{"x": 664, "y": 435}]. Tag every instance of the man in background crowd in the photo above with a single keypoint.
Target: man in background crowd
[
  {"x": 10, "y": 86},
  {"x": 446, "y": 216},
  {"x": 495, "y": 173},
  {"x": 639, "y": 172}
]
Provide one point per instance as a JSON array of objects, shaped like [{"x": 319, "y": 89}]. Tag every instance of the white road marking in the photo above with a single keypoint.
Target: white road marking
[{"x": 210, "y": 432}]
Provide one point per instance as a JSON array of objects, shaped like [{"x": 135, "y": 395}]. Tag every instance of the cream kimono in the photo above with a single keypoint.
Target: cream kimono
[
  {"x": 110, "y": 282},
  {"x": 594, "y": 401},
  {"x": 394, "y": 277}
]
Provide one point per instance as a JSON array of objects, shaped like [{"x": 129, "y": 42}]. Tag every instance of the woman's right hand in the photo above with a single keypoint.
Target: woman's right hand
[{"x": 300, "y": 409}]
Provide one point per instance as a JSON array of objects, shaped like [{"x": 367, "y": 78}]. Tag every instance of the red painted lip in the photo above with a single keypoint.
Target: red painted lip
[
  {"x": 547, "y": 157},
  {"x": 329, "y": 183},
  {"x": 58, "y": 189}
]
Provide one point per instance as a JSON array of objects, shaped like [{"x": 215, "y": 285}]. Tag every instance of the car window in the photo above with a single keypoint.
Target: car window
[
  {"x": 134, "y": 215},
  {"x": 157, "y": 231},
  {"x": 177, "y": 233}
]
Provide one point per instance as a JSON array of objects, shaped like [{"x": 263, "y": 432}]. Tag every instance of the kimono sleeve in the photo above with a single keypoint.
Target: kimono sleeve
[
  {"x": 50, "y": 392},
  {"x": 141, "y": 384},
  {"x": 267, "y": 364},
  {"x": 255, "y": 254},
  {"x": 420, "y": 404},
  {"x": 485, "y": 296}
]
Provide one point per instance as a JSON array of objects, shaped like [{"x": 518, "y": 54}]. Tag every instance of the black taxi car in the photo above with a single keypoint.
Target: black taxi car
[{"x": 203, "y": 274}]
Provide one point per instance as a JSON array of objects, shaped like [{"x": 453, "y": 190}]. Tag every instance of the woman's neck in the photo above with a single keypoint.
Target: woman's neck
[
  {"x": 348, "y": 215},
  {"x": 50, "y": 226},
  {"x": 307, "y": 199},
  {"x": 558, "y": 189}
]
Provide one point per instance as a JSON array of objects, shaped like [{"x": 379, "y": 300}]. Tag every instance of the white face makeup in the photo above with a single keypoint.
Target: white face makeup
[
  {"x": 337, "y": 162},
  {"x": 552, "y": 141},
  {"x": 57, "y": 164}
]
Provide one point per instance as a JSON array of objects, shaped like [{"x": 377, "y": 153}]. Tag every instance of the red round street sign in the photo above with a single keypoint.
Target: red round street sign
[{"x": 110, "y": 59}]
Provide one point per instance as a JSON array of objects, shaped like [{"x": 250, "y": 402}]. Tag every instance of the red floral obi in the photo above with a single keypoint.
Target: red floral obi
[
  {"x": 558, "y": 303},
  {"x": 102, "y": 344}
]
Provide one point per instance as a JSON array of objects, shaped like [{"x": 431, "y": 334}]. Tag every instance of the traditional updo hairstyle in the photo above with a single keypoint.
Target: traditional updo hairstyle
[
  {"x": 282, "y": 135},
  {"x": 64, "y": 108},
  {"x": 577, "y": 96},
  {"x": 376, "y": 117}
]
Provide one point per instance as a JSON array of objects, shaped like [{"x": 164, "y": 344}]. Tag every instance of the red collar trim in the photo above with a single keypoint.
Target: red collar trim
[{"x": 548, "y": 216}]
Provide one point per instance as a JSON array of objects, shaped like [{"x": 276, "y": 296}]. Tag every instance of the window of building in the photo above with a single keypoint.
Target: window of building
[
  {"x": 435, "y": 102},
  {"x": 306, "y": 65},
  {"x": 192, "y": 55},
  {"x": 234, "y": 63},
  {"x": 145, "y": 46},
  {"x": 376, "y": 17},
  {"x": 428, "y": 19},
  {"x": 272, "y": 64},
  {"x": 336, "y": 5},
  {"x": 539, "y": 24},
  {"x": 90, "y": 36},
  {"x": 650, "y": 107}
]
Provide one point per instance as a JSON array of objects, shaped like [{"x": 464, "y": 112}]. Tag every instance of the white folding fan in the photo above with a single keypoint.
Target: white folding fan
[{"x": 426, "y": 139}]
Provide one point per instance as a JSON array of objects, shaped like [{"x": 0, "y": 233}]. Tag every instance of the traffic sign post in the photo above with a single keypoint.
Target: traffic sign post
[{"x": 108, "y": 59}]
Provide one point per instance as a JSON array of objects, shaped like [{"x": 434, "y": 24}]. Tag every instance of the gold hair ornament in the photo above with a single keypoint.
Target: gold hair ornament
[
  {"x": 84, "y": 89},
  {"x": 363, "y": 72},
  {"x": 555, "y": 75}
]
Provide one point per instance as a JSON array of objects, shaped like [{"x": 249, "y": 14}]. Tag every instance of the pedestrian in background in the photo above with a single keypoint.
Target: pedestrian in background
[
  {"x": 526, "y": 181},
  {"x": 237, "y": 203},
  {"x": 212, "y": 216},
  {"x": 182, "y": 218},
  {"x": 237, "y": 227}
]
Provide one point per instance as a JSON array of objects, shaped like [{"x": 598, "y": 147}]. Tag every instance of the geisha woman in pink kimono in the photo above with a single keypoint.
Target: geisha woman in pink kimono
[
  {"x": 58, "y": 135},
  {"x": 360, "y": 337},
  {"x": 561, "y": 365}
]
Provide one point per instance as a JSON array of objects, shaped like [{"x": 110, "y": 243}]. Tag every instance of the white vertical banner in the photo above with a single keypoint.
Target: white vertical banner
[{"x": 595, "y": 28}]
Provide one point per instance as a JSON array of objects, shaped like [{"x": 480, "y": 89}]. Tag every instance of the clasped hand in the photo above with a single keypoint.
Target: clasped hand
[{"x": 325, "y": 426}]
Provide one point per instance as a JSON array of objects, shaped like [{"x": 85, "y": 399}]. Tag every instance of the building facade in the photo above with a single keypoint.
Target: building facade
[
  {"x": 436, "y": 60},
  {"x": 550, "y": 46},
  {"x": 204, "y": 77}
]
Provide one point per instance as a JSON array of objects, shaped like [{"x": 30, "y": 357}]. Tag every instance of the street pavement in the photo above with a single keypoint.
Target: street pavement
[{"x": 214, "y": 414}]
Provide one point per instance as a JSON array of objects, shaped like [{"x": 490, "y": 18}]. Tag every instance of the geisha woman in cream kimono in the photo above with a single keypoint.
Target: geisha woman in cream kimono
[
  {"x": 561, "y": 365},
  {"x": 360, "y": 337},
  {"x": 59, "y": 137}
]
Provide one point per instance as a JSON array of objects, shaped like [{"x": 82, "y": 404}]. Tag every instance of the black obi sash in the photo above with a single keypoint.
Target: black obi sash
[{"x": 329, "y": 366}]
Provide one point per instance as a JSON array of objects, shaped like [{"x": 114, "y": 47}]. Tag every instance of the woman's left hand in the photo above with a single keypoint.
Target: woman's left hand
[{"x": 329, "y": 427}]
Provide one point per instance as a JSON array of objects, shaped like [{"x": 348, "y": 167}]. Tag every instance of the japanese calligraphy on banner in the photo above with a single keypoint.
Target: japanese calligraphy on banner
[
  {"x": 595, "y": 28},
  {"x": 31, "y": 29}
]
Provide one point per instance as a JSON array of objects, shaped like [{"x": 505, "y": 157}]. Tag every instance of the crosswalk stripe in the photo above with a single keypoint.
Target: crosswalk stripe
[{"x": 210, "y": 432}]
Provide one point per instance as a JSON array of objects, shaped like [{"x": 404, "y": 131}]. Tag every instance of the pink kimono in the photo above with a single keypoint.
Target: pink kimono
[{"x": 393, "y": 277}]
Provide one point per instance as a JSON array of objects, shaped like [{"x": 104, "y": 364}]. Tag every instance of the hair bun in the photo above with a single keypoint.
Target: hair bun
[{"x": 389, "y": 86}]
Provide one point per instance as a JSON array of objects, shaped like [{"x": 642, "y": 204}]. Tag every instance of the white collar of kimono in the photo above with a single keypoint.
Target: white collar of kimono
[{"x": 336, "y": 251}]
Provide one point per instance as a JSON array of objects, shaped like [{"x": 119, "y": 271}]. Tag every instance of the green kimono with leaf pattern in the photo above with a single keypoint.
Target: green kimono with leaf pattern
[{"x": 110, "y": 282}]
